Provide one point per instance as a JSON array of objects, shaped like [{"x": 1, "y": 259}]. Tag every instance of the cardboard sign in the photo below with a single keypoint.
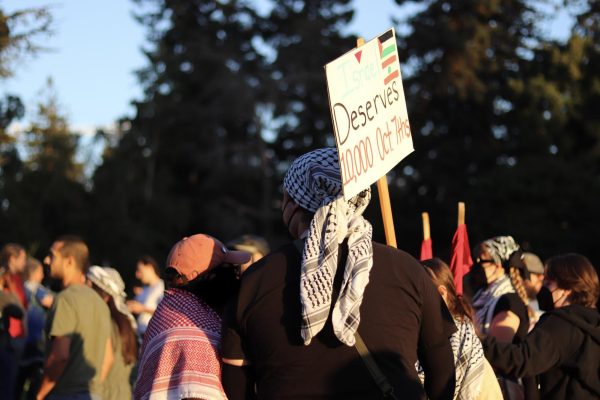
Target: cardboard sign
[{"x": 368, "y": 111}]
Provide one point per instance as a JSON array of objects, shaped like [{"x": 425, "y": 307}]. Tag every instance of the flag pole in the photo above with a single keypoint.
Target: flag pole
[
  {"x": 426, "y": 231},
  {"x": 384, "y": 196},
  {"x": 461, "y": 213}
]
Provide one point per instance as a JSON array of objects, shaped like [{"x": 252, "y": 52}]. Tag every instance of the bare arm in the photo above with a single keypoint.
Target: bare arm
[
  {"x": 47, "y": 301},
  {"x": 504, "y": 326},
  {"x": 55, "y": 364},
  {"x": 137, "y": 308}
]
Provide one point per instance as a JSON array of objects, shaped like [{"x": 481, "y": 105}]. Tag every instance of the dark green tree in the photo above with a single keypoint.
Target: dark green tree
[
  {"x": 46, "y": 198},
  {"x": 20, "y": 35},
  {"x": 494, "y": 111},
  {"x": 304, "y": 35},
  {"x": 193, "y": 159}
]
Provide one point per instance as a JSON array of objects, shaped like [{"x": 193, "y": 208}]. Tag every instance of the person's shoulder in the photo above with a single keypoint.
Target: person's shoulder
[
  {"x": 71, "y": 292},
  {"x": 285, "y": 255},
  {"x": 512, "y": 300},
  {"x": 159, "y": 286},
  {"x": 575, "y": 314},
  {"x": 399, "y": 255},
  {"x": 397, "y": 260},
  {"x": 91, "y": 297}
]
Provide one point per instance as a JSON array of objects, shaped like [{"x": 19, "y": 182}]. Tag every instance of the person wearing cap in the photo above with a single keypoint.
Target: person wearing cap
[
  {"x": 180, "y": 355},
  {"x": 257, "y": 246},
  {"x": 79, "y": 352},
  {"x": 292, "y": 330},
  {"x": 107, "y": 282},
  {"x": 533, "y": 284}
]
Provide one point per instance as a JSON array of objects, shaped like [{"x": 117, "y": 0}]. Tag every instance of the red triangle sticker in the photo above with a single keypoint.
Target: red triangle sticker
[{"x": 358, "y": 54}]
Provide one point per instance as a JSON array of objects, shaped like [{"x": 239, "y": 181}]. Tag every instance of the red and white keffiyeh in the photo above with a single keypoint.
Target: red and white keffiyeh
[{"x": 180, "y": 352}]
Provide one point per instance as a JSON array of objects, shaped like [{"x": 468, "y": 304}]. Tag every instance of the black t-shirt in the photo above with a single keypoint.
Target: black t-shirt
[
  {"x": 402, "y": 318},
  {"x": 512, "y": 302}
]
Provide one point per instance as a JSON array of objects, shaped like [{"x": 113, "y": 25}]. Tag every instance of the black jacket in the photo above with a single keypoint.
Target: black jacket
[{"x": 563, "y": 350}]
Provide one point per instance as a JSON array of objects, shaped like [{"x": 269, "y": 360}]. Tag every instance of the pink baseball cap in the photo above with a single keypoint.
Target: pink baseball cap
[{"x": 193, "y": 255}]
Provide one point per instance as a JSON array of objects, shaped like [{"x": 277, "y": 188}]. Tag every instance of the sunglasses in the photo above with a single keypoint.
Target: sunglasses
[{"x": 480, "y": 261}]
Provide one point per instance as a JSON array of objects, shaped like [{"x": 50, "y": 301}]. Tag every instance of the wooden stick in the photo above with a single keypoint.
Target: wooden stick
[
  {"x": 384, "y": 197},
  {"x": 426, "y": 231},
  {"x": 461, "y": 213},
  {"x": 386, "y": 212}
]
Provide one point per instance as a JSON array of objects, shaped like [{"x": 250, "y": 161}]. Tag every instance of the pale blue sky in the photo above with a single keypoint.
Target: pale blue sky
[{"x": 96, "y": 49}]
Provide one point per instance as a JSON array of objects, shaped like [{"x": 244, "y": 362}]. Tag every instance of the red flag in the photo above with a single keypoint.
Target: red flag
[
  {"x": 426, "y": 249},
  {"x": 461, "y": 257}
]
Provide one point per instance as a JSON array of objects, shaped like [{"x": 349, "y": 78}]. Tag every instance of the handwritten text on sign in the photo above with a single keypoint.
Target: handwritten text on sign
[{"x": 369, "y": 112}]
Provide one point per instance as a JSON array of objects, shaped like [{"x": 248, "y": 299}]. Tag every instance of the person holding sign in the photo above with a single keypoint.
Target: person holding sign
[{"x": 304, "y": 311}]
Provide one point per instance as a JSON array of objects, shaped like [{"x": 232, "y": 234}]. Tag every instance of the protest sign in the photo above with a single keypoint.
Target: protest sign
[{"x": 368, "y": 111}]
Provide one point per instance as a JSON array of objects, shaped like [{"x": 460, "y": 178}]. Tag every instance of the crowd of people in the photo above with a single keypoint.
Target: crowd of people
[{"x": 331, "y": 315}]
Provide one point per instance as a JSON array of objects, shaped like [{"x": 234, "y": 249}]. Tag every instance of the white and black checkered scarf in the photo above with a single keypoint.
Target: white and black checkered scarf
[{"x": 313, "y": 182}]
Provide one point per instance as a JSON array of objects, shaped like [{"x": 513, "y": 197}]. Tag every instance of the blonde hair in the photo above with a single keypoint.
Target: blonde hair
[{"x": 517, "y": 282}]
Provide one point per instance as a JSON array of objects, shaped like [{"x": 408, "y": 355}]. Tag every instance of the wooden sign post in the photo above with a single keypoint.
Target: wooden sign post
[
  {"x": 426, "y": 230},
  {"x": 461, "y": 213}
]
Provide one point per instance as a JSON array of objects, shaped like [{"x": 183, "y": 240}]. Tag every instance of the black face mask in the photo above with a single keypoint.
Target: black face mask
[
  {"x": 544, "y": 298},
  {"x": 477, "y": 277}
]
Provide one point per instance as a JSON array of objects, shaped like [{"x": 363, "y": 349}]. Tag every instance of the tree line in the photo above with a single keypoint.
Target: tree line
[{"x": 503, "y": 118}]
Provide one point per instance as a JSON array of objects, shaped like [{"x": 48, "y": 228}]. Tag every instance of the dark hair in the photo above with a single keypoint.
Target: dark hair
[
  {"x": 216, "y": 287},
  {"x": 9, "y": 250},
  {"x": 441, "y": 275},
  {"x": 126, "y": 332},
  {"x": 74, "y": 246},
  {"x": 149, "y": 260},
  {"x": 576, "y": 273}
]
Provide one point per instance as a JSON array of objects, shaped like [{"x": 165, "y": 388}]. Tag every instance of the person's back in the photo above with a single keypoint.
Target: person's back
[
  {"x": 400, "y": 313},
  {"x": 79, "y": 313},
  {"x": 109, "y": 285},
  {"x": 180, "y": 355},
  {"x": 116, "y": 385},
  {"x": 301, "y": 314}
]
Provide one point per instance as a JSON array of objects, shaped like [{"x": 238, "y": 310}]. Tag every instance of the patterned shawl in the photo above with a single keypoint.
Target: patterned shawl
[
  {"x": 485, "y": 300},
  {"x": 180, "y": 353},
  {"x": 469, "y": 361},
  {"x": 313, "y": 182}
]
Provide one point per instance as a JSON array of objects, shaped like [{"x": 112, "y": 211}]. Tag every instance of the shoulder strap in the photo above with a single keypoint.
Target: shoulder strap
[
  {"x": 299, "y": 244},
  {"x": 378, "y": 376},
  {"x": 380, "y": 380}
]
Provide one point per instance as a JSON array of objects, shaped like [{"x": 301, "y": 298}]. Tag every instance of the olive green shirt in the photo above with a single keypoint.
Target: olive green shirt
[
  {"x": 116, "y": 385},
  {"x": 79, "y": 313}
]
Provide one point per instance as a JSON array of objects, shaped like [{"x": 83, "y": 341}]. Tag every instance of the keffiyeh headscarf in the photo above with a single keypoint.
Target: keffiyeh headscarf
[
  {"x": 501, "y": 248},
  {"x": 110, "y": 281},
  {"x": 314, "y": 183}
]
